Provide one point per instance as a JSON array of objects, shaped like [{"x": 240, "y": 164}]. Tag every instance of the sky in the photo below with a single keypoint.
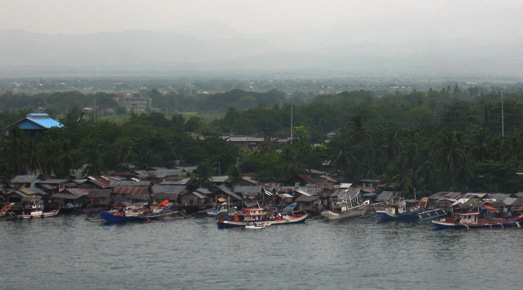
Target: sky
[{"x": 246, "y": 16}]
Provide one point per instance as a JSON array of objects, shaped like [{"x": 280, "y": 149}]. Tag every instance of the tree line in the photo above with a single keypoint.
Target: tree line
[{"x": 418, "y": 143}]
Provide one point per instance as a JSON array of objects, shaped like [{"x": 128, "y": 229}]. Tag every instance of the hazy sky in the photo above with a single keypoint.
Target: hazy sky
[{"x": 248, "y": 16}]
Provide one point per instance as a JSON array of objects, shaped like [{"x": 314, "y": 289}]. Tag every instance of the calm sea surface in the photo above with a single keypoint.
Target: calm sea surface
[{"x": 71, "y": 252}]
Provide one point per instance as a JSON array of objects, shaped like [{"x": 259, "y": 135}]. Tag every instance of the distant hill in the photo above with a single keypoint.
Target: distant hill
[{"x": 402, "y": 44}]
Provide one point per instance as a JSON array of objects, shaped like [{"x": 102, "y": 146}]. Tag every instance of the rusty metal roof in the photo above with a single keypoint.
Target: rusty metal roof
[{"x": 131, "y": 190}]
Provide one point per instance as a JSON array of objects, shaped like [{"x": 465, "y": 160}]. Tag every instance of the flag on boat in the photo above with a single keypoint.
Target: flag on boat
[{"x": 267, "y": 192}]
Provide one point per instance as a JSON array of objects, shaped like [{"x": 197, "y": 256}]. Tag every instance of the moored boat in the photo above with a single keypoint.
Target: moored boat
[
  {"x": 258, "y": 216},
  {"x": 397, "y": 210},
  {"x": 472, "y": 221},
  {"x": 37, "y": 212},
  {"x": 347, "y": 206}
]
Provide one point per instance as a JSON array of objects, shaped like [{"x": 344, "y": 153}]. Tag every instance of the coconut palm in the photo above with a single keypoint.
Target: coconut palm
[{"x": 449, "y": 153}]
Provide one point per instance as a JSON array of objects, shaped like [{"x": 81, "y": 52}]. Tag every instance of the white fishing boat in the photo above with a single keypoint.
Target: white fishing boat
[
  {"x": 36, "y": 211},
  {"x": 346, "y": 206}
]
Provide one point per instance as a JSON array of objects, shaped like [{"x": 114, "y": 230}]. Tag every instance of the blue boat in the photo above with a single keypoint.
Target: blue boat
[
  {"x": 397, "y": 210},
  {"x": 118, "y": 217}
]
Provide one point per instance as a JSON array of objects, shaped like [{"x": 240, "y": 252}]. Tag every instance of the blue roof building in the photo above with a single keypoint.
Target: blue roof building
[{"x": 35, "y": 122}]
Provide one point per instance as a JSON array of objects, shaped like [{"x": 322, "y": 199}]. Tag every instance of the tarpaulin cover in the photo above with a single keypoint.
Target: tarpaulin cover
[{"x": 488, "y": 207}]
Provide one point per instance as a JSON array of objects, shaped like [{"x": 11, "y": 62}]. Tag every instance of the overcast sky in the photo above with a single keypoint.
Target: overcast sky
[{"x": 248, "y": 16}]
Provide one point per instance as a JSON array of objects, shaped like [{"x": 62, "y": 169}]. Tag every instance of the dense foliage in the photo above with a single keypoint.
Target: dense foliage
[{"x": 417, "y": 142}]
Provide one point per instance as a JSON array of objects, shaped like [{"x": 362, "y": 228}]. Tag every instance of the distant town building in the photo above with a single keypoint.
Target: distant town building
[
  {"x": 35, "y": 122},
  {"x": 245, "y": 142},
  {"x": 133, "y": 102}
]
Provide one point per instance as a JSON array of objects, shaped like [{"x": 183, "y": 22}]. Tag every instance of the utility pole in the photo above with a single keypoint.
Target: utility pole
[
  {"x": 502, "y": 117},
  {"x": 94, "y": 110},
  {"x": 292, "y": 125}
]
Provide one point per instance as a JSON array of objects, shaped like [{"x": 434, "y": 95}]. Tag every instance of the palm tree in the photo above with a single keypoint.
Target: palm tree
[
  {"x": 125, "y": 153},
  {"x": 450, "y": 153},
  {"x": 49, "y": 155},
  {"x": 14, "y": 145},
  {"x": 93, "y": 161},
  {"x": 359, "y": 136},
  {"x": 341, "y": 155},
  {"x": 401, "y": 174},
  {"x": 479, "y": 146},
  {"x": 65, "y": 159},
  {"x": 203, "y": 173},
  {"x": 292, "y": 164}
]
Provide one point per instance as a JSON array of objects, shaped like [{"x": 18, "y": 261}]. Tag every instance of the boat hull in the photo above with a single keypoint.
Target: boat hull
[
  {"x": 112, "y": 218},
  {"x": 40, "y": 215},
  {"x": 385, "y": 216},
  {"x": 350, "y": 213},
  {"x": 486, "y": 226},
  {"x": 286, "y": 220}
]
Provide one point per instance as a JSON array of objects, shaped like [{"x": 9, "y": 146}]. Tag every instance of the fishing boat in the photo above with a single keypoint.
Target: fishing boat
[
  {"x": 137, "y": 213},
  {"x": 397, "y": 210},
  {"x": 36, "y": 211},
  {"x": 218, "y": 209},
  {"x": 347, "y": 206},
  {"x": 258, "y": 215},
  {"x": 472, "y": 221}
]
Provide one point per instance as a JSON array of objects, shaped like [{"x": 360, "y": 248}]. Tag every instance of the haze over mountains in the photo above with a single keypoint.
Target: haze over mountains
[{"x": 443, "y": 43}]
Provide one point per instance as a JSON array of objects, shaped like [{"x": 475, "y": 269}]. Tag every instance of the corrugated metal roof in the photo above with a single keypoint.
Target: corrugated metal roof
[
  {"x": 24, "y": 179},
  {"x": 247, "y": 189},
  {"x": 51, "y": 181},
  {"x": 43, "y": 120},
  {"x": 159, "y": 188},
  {"x": 204, "y": 191},
  {"x": 219, "y": 179},
  {"x": 96, "y": 193},
  {"x": 199, "y": 195},
  {"x": 385, "y": 196},
  {"x": 79, "y": 191},
  {"x": 131, "y": 190},
  {"x": 184, "y": 181},
  {"x": 305, "y": 198},
  {"x": 226, "y": 190},
  {"x": 33, "y": 191}
]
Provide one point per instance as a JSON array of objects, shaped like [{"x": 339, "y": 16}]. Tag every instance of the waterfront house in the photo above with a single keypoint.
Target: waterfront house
[
  {"x": 171, "y": 193},
  {"x": 225, "y": 193},
  {"x": 192, "y": 201},
  {"x": 248, "y": 192},
  {"x": 51, "y": 186},
  {"x": 22, "y": 181},
  {"x": 129, "y": 191},
  {"x": 71, "y": 199},
  {"x": 310, "y": 204},
  {"x": 100, "y": 198}
]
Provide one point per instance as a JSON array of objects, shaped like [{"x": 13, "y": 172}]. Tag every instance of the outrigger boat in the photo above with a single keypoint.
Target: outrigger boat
[
  {"x": 347, "y": 207},
  {"x": 258, "y": 216},
  {"x": 471, "y": 221},
  {"x": 137, "y": 213},
  {"x": 398, "y": 210},
  {"x": 37, "y": 212}
]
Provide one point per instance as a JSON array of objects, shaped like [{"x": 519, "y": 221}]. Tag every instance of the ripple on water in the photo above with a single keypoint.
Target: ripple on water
[{"x": 70, "y": 252}]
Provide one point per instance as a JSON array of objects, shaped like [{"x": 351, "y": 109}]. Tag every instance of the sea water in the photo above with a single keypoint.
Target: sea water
[{"x": 72, "y": 252}]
